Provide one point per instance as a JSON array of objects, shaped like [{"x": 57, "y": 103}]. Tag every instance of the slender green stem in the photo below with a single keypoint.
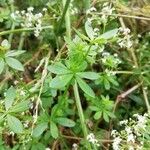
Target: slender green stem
[
  {"x": 13, "y": 23},
  {"x": 63, "y": 15},
  {"x": 80, "y": 111},
  {"x": 22, "y": 30},
  {"x": 146, "y": 99},
  {"x": 21, "y": 42},
  {"x": 21, "y": 82},
  {"x": 87, "y": 4},
  {"x": 11, "y": 34},
  {"x": 67, "y": 21}
]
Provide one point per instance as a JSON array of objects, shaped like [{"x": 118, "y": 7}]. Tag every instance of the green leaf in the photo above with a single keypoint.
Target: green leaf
[
  {"x": 65, "y": 122},
  {"x": 2, "y": 117},
  {"x": 39, "y": 129},
  {"x": 109, "y": 34},
  {"x": 105, "y": 116},
  {"x": 82, "y": 36},
  {"x": 58, "y": 68},
  {"x": 110, "y": 114},
  {"x": 88, "y": 75},
  {"x": 94, "y": 108},
  {"x": 53, "y": 130},
  {"x": 106, "y": 84},
  {"x": 98, "y": 115},
  {"x": 14, "y": 124},
  {"x": 89, "y": 30},
  {"x": 14, "y": 53},
  {"x": 85, "y": 87},
  {"x": 14, "y": 63},
  {"x": 60, "y": 81},
  {"x": 20, "y": 107},
  {"x": 2, "y": 64},
  {"x": 99, "y": 41},
  {"x": 10, "y": 97},
  {"x": 113, "y": 81}
]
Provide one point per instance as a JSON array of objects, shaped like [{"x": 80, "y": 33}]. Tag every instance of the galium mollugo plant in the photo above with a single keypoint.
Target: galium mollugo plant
[{"x": 133, "y": 133}]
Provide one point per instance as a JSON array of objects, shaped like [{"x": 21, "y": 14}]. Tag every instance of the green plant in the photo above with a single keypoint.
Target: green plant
[{"x": 70, "y": 70}]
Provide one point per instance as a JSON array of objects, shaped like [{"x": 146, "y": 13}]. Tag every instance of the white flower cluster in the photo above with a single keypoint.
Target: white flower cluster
[
  {"x": 73, "y": 9},
  {"x": 109, "y": 72},
  {"x": 75, "y": 146},
  {"x": 28, "y": 19},
  {"x": 107, "y": 10},
  {"x": 132, "y": 135},
  {"x": 124, "y": 42},
  {"x": 92, "y": 9},
  {"x": 91, "y": 138},
  {"x": 110, "y": 60}
]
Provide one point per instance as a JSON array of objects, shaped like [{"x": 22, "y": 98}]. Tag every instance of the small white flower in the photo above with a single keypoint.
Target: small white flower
[
  {"x": 114, "y": 133},
  {"x": 47, "y": 148},
  {"x": 44, "y": 9},
  {"x": 22, "y": 93},
  {"x": 74, "y": 146},
  {"x": 124, "y": 122},
  {"x": 116, "y": 143},
  {"x": 104, "y": 54},
  {"x": 131, "y": 147},
  {"x": 22, "y": 113},
  {"x": 124, "y": 31},
  {"x": 91, "y": 138},
  {"x": 89, "y": 20},
  {"x": 90, "y": 10},
  {"x": 128, "y": 130},
  {"x": 131, "y": 138},
  {"x": 17, "y": 12},
  {"x": 30, "y": 9},
  {"x": 5, "y": 44},
  {"x": 12, "y": 133},
  {"x": 13, "y": 16},
  {"x": 26, "y": 124},
  {"x": 23, "y": 12},
  {"x": 116, "y": 55}
]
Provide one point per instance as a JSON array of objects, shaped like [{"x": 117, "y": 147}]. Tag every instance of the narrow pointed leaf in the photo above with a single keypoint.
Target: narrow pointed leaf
[
  {"x": 58, "y": 68},
  {"x": 97, "y": 115},
  {"x": 85, "y": 87},
  {"x": 14, "y": 124},
  {"x": 2, "y": 64},
  {"x": 53, "y": 130},
  {"x": 110, "y": 34},
  {"x": 39, "y": 129},
  {"x": 65, "y": 122},
  {"x": 60, "y": 81},
  {"x": 14, "y": 63},
  {"x": 89, "y": 30},
  {"x": 14, "y": 53},
  {"x": 82, "y": 36},
  {"x": 88, "y": 75},
  {"x": 20, "y": 107},
  {"x": 10, "y": 96}
]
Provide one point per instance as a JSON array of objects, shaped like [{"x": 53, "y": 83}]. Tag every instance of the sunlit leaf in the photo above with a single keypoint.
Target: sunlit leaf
[
  {"x": 14, "y": 63},
  {"x": 10, "y": 96},
  {"x": 88, "y": 75},
  {"x": 89, "y": 30},
  {"x": 85, "y": 87},
  {"x": 60, "y": 81},
  {"x": 39, "y": 129},
  {"x": 65, "y": 122},
  {"x": 14, "y": 124},
  {"x": 2, "y": 64},
  {"x": 53, "y": 130}
]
